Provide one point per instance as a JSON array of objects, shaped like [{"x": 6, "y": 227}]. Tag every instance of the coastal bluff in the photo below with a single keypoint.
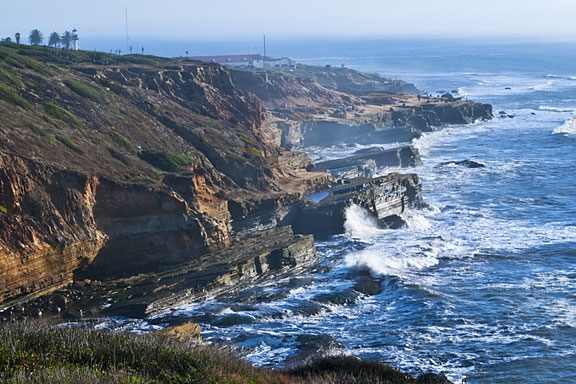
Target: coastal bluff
[{"x": 172, "y": 181}]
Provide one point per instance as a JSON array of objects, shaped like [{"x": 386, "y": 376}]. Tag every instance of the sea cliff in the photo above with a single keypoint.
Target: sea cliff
[{"x": 169, "y": 181}]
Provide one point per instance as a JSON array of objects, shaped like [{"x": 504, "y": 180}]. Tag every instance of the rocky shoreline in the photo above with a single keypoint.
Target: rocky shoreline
[{"x": 186, "y": 180}]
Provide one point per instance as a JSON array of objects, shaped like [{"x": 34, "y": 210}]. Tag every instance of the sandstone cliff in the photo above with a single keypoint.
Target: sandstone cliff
[{"x": 116, "y": 167}]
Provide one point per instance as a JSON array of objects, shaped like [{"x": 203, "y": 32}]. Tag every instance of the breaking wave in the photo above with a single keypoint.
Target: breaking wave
[
  {"x": 382, "y": 263},
  {"x": 360, "y": 224},
  {"x": 568, "y": 128},
  {"x": 555, "y": 109}
]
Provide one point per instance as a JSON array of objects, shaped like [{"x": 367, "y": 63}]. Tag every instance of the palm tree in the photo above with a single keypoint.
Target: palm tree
[
  {"x": 17, "y": 36},
  {"x": 54, "y": 39},
  {"x": 66, "y": 39},
  {"x": 36, "y": 37}
]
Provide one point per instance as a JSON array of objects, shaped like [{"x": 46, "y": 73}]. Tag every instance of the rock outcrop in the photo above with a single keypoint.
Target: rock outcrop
[
  {"x": 386, "y": 198},
  {"x": 366, "y": 162},
  {"x": 169, "y": 178}
]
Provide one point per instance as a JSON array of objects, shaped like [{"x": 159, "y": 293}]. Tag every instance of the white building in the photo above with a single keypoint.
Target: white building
[{"x": 249, "y": 61}]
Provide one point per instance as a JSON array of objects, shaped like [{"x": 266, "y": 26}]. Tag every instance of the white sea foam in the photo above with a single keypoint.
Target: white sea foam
[
  {"x": 555, "y": 109},
  {"x": 416, "y": 221},
  {"x": 381, "y": 263},
  {"x": 360, "y": 224},
  {"x": 568, "y": 128},
  {"x": 545, "y": 86}
]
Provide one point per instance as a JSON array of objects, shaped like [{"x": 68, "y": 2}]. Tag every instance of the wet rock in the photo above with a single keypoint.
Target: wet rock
[
  {"x": 347, "y": 297},
  {"x": 383, "y": 197},
  {"x": 231, "y": 320},
  {"x": 311, "y": 347},
  {"x": 465, "y": 163},
  {"x": 365, "y": 162},
  {"x": 392, "y": 222},
  {"x": 267, "y": 254},
  {"x": 432, "y": 378}
]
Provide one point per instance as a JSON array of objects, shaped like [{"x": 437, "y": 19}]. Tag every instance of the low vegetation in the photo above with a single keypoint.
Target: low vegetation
[
  {"x": 39, "y": 131},
  {"x": 62, "y": 114},
  {"x": 39, "y": 353},
  {"x": 166, "y": 160},
  {"x": 121, "y": 140},
  {"x": 70, "y": 144},
  {"x": 3, "y": 209},
  {"x": 12, "y": 97},
  {"x": 86, "y": 91},
  {"x": 8, "y": 76}
]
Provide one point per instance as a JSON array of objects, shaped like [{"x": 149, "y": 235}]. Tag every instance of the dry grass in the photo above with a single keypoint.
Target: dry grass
[{"x": 36, "y": 352}]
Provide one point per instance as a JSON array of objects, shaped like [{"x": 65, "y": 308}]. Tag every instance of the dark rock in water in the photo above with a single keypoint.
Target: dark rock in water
[
  {"x": 502, "y": 113},
  {"x": 432, "y": 378},
  {"x": 533, "y": 113},
  {"x": 348, "y": 297},
  {"x": 233, "y": 319},
  {"x": 368, "y": 285},
  {"x": 311, "y": 347},
  {"x": 511, "y": 116},
  {"x": 508, "y": 88},
  {"x": 465, "y": 163},
  {"x": 392, "y": 222}
]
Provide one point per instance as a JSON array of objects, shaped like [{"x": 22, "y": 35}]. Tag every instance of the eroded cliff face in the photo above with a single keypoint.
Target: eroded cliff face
[
  {"x": 108, "y": 171},
  {"x": 169, "y": 170},
  {"x": 47, "y": 229}
]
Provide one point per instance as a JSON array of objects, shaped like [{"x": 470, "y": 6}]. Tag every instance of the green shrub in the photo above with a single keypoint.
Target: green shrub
[
  {"x": 62, "y": 114},
  {"x": 20, "y": 61},
  {"x": 51, "y": 121},
  {"x": 10, "y": 96},
  {"x": 86, "y": 91},
  {"x": 119, "y": 156},
  {"x": 120, "y": 139},
  {"x": 39, "y": 131},
  {"x": 8, "y": 76},
  {"x": 166, "y": 160},
  {"x": 70, "y": 144},
  {"x": 3, "y": 209},
  {"x": 247, "y": 140}
]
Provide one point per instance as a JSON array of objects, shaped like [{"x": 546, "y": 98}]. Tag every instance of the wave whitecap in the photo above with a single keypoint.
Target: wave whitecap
[
  {"x": 555, "y": 109},
  {"x": 382, "y": 263},
  {"x": 568, "y": 128}
]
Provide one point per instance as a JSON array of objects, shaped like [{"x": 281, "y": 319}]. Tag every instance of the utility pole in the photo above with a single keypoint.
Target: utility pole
[
  {"x": 127, "y": 38},
  {"x": 264, "y": 59}
]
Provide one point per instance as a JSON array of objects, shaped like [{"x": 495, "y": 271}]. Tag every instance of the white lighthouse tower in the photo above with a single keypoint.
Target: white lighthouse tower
[{"x": 75, "y": 39}]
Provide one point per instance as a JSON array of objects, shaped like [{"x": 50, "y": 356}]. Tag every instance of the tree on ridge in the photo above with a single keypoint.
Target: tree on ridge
[
  {"x": 36, "y": 37},
  {"x": 54, "y": 39},
  {"x": 66, "y": 39},
  {"x": 17, "y": 36}
]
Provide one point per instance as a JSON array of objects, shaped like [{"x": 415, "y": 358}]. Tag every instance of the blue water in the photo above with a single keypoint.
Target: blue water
[{"x": 480, "y": 286}]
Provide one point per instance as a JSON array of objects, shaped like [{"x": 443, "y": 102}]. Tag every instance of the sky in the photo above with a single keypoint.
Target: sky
[{"x": 222, "y": 20}]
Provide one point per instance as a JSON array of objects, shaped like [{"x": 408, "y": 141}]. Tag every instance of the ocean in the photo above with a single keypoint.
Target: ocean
[{"x": 481, "y": 286}]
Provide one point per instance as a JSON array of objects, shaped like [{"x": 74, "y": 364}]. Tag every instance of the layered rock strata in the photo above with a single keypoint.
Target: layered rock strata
[{"x": 386, "y": 198}]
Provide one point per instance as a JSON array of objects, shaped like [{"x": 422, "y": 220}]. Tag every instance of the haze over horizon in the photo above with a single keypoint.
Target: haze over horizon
[{"x": 102, "y": 24}]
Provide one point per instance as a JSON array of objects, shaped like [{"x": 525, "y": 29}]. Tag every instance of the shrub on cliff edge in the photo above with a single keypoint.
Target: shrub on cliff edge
[{"x": 62, "y": 114}]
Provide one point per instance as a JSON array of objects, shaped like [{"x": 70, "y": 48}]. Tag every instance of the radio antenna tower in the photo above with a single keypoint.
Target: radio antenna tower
[
  {"x": 264, "y": 58},
  {"x": 127, "y": 38}
]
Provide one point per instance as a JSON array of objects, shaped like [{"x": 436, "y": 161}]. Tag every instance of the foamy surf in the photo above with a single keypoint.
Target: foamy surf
[
  {"x": 360, "y": 224},
  {"x": 555, "y": 109},
  {"x": 568, "y": 128},
  {"x": 381, "y": 263}
]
